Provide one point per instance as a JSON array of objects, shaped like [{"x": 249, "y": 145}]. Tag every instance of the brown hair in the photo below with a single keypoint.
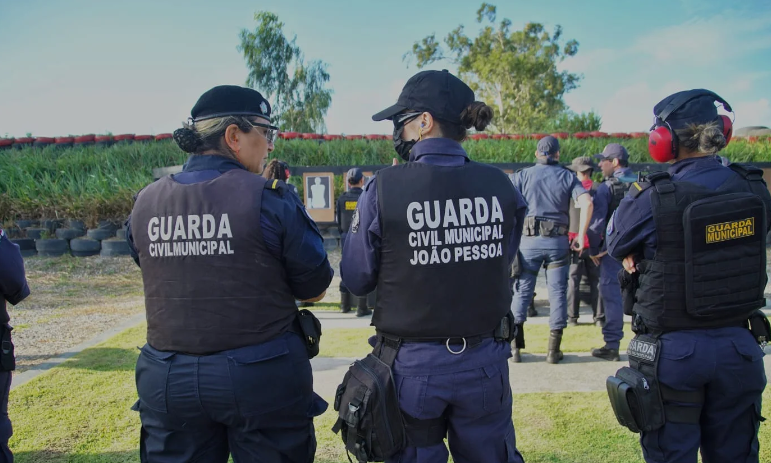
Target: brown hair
[
  {"x": 477, "y": 115},
  {"x": 207, "y": 135},
  {"x": 702, "y": 138}
]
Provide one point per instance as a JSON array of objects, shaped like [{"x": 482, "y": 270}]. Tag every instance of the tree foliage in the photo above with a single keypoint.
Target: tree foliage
[
  {"x": 568, "y": 121},
  {"x": 277, "y": 68},
  {"x": 515, "y": 71}
]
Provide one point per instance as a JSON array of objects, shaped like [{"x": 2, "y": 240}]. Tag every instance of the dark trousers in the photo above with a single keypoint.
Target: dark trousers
[
  {"x": 6, "y": 431},
  {"x": 584, "y": 266},
  {"x": 256, "y": 403},
  {"x": 727, "y": 364},
  {"x": 362, "y": 302},
  {"x": 477, "y": 404}
]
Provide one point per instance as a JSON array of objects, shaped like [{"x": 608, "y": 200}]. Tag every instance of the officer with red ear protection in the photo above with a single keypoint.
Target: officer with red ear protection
[{"x": 692, "y": 241}]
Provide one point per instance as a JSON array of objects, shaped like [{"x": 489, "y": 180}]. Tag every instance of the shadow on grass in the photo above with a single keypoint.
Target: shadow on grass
[{"x": 44, "y": 456}]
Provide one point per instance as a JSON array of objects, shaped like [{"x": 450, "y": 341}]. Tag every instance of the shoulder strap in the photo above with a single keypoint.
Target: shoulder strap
[{"x": 277, "y": 185}]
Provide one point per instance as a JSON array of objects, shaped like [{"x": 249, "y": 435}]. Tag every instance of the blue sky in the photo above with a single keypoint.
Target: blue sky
[{"x": 87, "y": 66}]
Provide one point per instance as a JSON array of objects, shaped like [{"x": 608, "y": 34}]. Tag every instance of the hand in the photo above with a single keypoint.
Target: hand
[
  {"x": 629, "y": 264},
  {"x": 315, "y": 299},
  {"x": 578, "y": 243},
  {"x": 596, "y": 259},
  {"x": 395, "y": 162}
]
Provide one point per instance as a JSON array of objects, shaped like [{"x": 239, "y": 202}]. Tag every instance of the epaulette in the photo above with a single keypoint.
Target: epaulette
[{"x": 277, "y": 185}]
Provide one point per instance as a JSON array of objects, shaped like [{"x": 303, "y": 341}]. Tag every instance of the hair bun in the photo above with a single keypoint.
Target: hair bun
[{"x": 187, "y": 140}]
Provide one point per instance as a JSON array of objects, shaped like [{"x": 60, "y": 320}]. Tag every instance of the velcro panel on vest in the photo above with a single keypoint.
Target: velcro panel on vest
[{"x": 725, "y": 256}]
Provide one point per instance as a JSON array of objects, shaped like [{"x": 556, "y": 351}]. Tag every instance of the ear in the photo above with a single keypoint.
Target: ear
[
  {"x": 233, "y": 138},
  {"x": 427, "y": 122}
]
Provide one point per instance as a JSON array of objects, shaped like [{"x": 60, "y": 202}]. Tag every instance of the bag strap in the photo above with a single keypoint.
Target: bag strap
[{"x": 386, "y": 348}]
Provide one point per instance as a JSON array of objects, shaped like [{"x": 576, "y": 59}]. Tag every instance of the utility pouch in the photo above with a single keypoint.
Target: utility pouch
[
  {"x": 310, "y": 326},
  {"x": 634, "y": 391},
  {"x": 760, "y": 328},
  {"x": 7, "y": 358},
  {"x": 506, "y": 330}
]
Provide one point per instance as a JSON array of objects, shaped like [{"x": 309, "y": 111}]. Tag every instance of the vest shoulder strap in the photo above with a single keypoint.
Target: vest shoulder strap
[{"x": 747, "y": 171}]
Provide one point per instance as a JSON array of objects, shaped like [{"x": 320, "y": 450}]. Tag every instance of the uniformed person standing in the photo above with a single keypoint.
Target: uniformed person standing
[
  {"x": 614, "y": 162},
  {"x": 346, "y": 205},
  {"x": 581, "y": 263},
  {"x": 548, "y": 188},
  {"x": 224, "y": 254},
  {"x": 695, "y": 236},
  {"x": 436, "y": 237},
  {"x": 13, "y": 289},
  {"x": 279, "y": 170}
]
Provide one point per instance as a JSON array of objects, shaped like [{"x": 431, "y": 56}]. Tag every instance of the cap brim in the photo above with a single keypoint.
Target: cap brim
[
  {"x": 600, "y": 156},
  {"x": 388, "y": 113}
]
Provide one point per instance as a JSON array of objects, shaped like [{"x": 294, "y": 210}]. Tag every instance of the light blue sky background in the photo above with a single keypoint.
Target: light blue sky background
[{"x": 88, "y": 66}]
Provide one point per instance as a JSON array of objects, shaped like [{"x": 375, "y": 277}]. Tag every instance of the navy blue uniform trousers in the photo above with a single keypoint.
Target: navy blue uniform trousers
[
  {"x": 256, "y": 403},
  {"x": 474, "y": 396},
  {"x": 728, "y": 364}
]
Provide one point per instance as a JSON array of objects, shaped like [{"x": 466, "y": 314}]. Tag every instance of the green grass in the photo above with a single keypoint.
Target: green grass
[
  {"x": 80, "y": 412},
  {"x": 91, "y": 183},
  {"x": 352, "y": 342}
]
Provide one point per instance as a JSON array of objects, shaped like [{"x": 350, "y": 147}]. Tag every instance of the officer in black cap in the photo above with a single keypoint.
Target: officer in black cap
[
  {"x": 13, "y": 289},
  {"x": 436, "y": 237},
  {"x": 224, "y": 254},
  {"x": 695, "y": 236},
  {"x": 346, "y": 205}
]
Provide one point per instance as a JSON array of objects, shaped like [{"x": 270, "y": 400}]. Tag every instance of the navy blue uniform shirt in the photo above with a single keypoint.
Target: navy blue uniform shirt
[
  {"x": 632, "y": 226},
  {"x": 361, "y": 256},
  {"x": 547, "y": 189},
  {"x": 289, "y": 234},
  {"x": 13, "y": 283},
  {"x": 602, "y": 199}
]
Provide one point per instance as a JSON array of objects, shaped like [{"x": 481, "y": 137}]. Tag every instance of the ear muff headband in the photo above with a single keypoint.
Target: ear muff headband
[{"x": 663, "y": 142}]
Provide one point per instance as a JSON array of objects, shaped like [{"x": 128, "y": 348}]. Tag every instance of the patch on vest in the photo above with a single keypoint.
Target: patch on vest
[
  {"x": 455, "y": 230},
  {"x": 730, "y": 230},
  {"x": 350, "y": 205},
  {"x": 189, "y": 235},
  {"x": 642, "y": 350},
  {"x": 355, "y": 221}
]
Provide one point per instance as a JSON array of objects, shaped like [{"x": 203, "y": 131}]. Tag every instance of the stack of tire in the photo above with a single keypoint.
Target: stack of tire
[{"x": 53, "y": 238}]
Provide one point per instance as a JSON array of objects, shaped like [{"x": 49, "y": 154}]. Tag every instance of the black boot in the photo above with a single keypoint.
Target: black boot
[
  {"x": 518, "y": 343},
  {"x": 555, "y": 354},
  {"x": 606, "y": 354},
  {"x": 362, "y": 310},
  {"x": 345, "y": 302}
]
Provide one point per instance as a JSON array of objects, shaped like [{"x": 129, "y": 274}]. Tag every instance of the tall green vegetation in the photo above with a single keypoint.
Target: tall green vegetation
[{"x": 93, "y": 183}]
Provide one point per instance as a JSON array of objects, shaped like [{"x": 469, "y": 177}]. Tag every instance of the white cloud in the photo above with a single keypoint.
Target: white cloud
[
  {"x": 591, "y": 59},
  {"x": 707, "y": 41},
  {"x": 757, "y": 112},
  {"x": 630, "y": 109}
]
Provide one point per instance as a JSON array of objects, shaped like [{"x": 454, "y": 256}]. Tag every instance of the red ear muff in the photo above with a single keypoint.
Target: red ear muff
[
  {"x": 661, "y": 145},
  {"x": 728, "y": 128}
]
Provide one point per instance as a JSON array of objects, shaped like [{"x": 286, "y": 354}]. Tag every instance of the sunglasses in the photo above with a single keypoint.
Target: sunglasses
[
  {"x": 271, "y": 132},
  {"x": 405, "y": 118}
]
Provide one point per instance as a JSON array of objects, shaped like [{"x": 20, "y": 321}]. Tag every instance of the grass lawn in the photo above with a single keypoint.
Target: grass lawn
[
  {"x": 352, "y": 342},
  {"x": 79, "y": 412}
]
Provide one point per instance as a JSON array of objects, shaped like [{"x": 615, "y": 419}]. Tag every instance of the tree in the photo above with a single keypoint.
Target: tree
[
  {"x": 514, "y": 71},
  {"x": 568, "y": 121},
  {"x": 277, "y": 69}
]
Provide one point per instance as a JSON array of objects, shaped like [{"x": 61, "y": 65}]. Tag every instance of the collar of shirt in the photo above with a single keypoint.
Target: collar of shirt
[
  {"x": 355, "y": 190},
  {"x": 211, "y": 162},
  {"x": 439, "y": 151},
  {"x": 685, "y": 165}
]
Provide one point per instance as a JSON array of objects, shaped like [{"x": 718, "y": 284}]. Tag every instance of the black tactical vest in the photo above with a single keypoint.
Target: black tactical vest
[
  {"x": 210, "y": 283},
  {"x": 346, "y": 203},
  {"x": 709, "y": 269},
  {"x": 444, "y": 261},
  {"x": 618, "y": 190}
]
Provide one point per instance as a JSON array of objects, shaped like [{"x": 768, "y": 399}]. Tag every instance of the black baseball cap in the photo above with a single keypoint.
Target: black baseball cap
[
  {"x": 613, "y": 151},
  {"x": 355, "y": 175},
  {"x": 699, "y": 109},
  {"x": 437, "y": 92},
  {"x": 230, "y": 100},
  {"x": 548, "y": 146}
]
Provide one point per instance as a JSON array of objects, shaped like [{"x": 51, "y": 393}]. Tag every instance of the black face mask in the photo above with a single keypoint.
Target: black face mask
[{"x": 402, "y": 147}]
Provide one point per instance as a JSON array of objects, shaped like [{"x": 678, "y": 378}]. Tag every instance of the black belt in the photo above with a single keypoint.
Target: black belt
[{"x": 468, "y": 342}]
